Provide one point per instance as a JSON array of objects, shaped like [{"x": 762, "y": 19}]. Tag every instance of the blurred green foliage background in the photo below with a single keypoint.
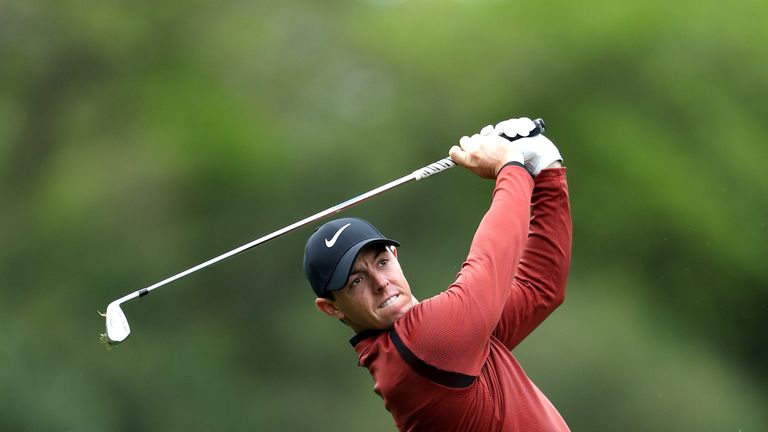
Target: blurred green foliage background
[{"x": 140, "y": 138}]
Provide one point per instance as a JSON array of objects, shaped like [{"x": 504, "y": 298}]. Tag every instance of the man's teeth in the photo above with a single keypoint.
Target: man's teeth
[{"x": 389, "y": 301}]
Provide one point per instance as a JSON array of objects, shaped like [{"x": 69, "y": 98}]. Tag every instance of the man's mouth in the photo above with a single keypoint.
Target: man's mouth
[{"x": 389, "y": 301}]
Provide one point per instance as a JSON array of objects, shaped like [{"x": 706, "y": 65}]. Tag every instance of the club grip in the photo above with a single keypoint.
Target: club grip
[
  {"x": 433, "y": 168},
  {"x": 444, "y": 164},
  {"x": 539, "y": 129}
]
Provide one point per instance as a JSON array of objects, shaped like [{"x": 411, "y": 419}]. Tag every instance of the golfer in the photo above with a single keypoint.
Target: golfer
[{"x": 444, "y": 364}]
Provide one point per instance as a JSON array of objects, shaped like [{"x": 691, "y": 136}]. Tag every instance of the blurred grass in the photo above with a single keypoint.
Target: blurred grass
[{"x": 138, "y": 140}]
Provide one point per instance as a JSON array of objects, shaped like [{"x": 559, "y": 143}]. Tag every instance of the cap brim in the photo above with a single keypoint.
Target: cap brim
[{"x": 344, "y": 267}]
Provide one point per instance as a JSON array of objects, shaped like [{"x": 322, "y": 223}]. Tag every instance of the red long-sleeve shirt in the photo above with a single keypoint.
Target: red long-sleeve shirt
[{"x": 446, "y": 364}]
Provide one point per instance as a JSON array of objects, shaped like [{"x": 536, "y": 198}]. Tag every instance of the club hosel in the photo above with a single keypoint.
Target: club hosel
[{"x": 131, "y": 296}]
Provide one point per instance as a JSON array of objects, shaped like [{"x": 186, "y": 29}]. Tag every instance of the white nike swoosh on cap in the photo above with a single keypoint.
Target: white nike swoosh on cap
[{"x": 335, "y": 237}]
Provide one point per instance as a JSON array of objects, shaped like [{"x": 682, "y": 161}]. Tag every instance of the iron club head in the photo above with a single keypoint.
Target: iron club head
[{"x": 117, "y": 324}]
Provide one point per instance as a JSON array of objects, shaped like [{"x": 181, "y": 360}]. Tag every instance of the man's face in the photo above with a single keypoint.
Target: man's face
[{"x": 376, "y": 293}]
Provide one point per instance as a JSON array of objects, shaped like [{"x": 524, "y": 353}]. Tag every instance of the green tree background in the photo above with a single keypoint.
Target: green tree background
[{"x": 140, "y": 138}]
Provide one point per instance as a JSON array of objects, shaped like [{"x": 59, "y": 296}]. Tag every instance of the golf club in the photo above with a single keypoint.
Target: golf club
[{"x": 116, "y": 322}]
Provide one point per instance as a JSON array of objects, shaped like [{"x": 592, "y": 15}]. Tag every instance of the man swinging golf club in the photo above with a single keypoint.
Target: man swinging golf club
[{"x": 444, "y": 364}]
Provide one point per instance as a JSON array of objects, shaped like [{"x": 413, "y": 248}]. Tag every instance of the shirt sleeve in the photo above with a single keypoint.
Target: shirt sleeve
[
  {"x": 451, "y": 331},
  {"x": 539, "y": 287}
]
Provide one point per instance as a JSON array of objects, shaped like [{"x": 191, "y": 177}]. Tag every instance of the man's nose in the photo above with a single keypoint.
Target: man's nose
[{"x": 380, "y": 281}]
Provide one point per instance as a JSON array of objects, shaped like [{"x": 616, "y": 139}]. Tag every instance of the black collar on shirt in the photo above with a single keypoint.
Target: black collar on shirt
[{"x": 365, "y": 334}]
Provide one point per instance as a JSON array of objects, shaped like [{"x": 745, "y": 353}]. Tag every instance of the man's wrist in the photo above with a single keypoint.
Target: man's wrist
[{"x": 514, "y": 163}]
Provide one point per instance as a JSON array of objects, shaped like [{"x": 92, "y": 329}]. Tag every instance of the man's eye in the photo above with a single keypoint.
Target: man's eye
[
  {"x": 355, "y": 281},
  {"x": 383, "y": 262}
]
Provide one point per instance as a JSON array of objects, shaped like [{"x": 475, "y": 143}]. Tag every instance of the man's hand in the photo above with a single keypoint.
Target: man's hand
[
  {"x": 486, "y": 154},
  {"x": 538, "y": 151}
]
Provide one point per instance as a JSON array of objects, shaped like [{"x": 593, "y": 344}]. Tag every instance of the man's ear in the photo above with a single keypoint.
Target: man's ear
[
  {"x": 328, "y": 307},
  {"x": 394, "y": 250}
]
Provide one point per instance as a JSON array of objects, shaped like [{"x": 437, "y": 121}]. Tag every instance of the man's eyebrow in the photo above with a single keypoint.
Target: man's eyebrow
[{"x": 356, "y": 270}]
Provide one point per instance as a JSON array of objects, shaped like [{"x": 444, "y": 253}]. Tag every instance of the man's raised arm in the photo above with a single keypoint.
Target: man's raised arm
[
  {"x": 539, "y": 287},
  {"x": 452, "y": 330}
]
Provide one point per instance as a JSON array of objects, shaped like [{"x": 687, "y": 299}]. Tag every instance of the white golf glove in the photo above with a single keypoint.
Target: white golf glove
[
  {"x": 486, "y": 154},
  {"x": 538, "y": 151}
]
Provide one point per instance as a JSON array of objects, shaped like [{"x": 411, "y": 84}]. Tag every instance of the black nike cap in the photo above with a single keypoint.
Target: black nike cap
[{"x": 331, "y": 251}]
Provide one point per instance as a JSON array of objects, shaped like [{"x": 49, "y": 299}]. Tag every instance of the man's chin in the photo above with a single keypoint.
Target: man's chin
[
  {"x": 410, "y": 302},
  {"x": 398, "y": 313}
]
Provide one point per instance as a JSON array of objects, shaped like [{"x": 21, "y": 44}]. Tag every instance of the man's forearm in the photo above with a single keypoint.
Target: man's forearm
[
  {"x": 498, "y": 244},
  {"x": 548, "y": 251},
  {"x": 540, "y": 283}
]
